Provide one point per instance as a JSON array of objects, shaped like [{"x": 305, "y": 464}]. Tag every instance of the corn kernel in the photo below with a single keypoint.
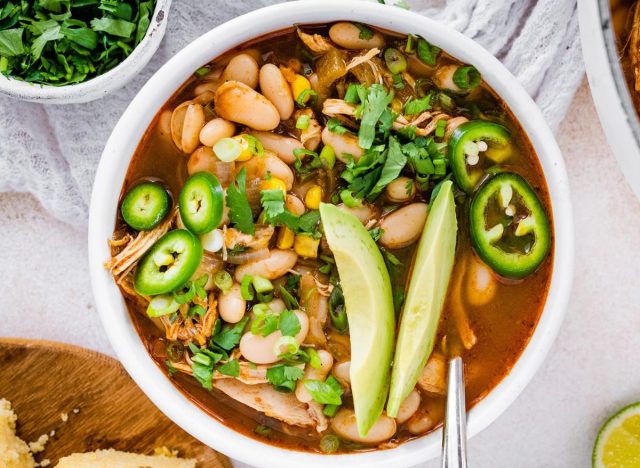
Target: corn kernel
[
  {"x": 274, "y": 184},
  {"x": 306, "y": 246},
  {"x": 285, "y": 238},
  {"x": 313, "y": 197},
  {"x": 298, "y": 86},
  {"x": 245, "y": 153}
]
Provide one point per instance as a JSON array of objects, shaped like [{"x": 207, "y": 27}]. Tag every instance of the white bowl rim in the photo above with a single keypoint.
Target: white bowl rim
[
  {"x": 100, "y": 85},
  {"x": 127, "y": 133}
]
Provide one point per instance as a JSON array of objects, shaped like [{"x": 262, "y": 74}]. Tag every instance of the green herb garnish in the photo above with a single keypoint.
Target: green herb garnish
[
  {"x": 238, "y": 203},
  {"x": 426, "y": 52},
  {"x": 283, "y": 377}
]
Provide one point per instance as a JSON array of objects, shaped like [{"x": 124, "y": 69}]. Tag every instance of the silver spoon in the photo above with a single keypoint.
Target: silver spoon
[{"x": 454, "y": 435}]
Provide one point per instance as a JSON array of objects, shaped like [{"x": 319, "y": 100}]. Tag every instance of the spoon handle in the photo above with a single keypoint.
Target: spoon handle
[{"x": 454, "y": 436}]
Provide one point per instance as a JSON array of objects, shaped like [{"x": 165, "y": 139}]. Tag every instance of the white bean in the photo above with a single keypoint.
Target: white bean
[
  {"x": 276, "y": 89},
  {"x": 239, "y": 103},
  {"x": 347, "y": 35},
  {"x": 215, "y": 130},
  {"x": 242, "y": 68},
  {"x": 481, "y": 283},
  {"x": 277, "y": 305},
  {"x": 420, "y": 422},
  {"x": 408, "y": 407},
  {"x": 443, "y": 78},
  {"x": 364, "y": 213},
  {"x": 274, "y": 266},
  {"x": 204, "y": 159},
  {"x": 212, "y": 241},
  {"x": 294, "y": 204},
  {"x": 452, "y": 124},
  {"x": 281, "y": 145},
  {"x": 260, "y": 349},
  {"x": 231, "y": 304},
  {"x": 344, "y": 425},
  {"x": 341, "y": 372},
  {"x": 345, "y": 145},
  {"x": 433, "y": 376},
  {"x": 193, "y": 123},
  {"x": 404, "y": 226},
  {"x": 401, "y": 190},
  {"x": 311, "y": 373}
]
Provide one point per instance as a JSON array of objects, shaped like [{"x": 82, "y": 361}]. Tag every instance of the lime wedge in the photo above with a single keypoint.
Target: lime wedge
[{"x": 618, "y": 442}]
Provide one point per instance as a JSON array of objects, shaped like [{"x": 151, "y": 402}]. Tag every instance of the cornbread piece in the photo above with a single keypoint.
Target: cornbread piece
[
  {"x": 14, "y": 452},
  {"x": 112, "y": 458}
]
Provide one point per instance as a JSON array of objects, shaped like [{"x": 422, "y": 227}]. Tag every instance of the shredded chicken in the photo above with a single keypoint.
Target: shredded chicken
[
  {"x": 267, "y": 400},
  {"x": 310, "y": 137},
  {"x": 333, "y": 107},
  {"x": 136, "y": 248},
  {"x": 360, "y": 59},
  {"x": 315, "y": 411},
  {"x": 260, "y": 240},
  {"x": 634, "y": 45},
  {"x": 315, "y": 42},
  {"x": 461, "y": 320}
]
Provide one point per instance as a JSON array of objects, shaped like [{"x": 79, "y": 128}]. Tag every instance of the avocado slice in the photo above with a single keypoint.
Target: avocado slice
[
  {"x": 369, "y": 305},
  {"x": 425, "y": 297}
]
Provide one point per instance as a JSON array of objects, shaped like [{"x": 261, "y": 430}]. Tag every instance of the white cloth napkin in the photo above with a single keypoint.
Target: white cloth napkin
[{"x": 52, "y": 151}]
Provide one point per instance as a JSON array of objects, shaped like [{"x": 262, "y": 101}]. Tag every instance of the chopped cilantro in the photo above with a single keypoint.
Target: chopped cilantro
[
  {"x": 289, "y": 324},
  {"x": 335, "y": 126},
  {"x": 426, "y": 52},
  {"x": 393, "y": 165},
  {"x": 328, "y": 392},
  {"x": 229, "y": 335},
  {"x": 376, "y": 102},
  {"x": 416, "y": 106},
  {"x": 230, "y": 368},
  {"x": 239, "y": 209},
  {"x": 283, "y": 377}
]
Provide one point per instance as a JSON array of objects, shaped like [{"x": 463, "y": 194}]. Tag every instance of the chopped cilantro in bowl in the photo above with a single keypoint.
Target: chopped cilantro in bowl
[{"x": 61, "y": 51}]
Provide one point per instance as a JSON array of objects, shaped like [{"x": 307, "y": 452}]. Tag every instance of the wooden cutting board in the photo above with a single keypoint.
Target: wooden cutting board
[{"x": 104, "y": 408}]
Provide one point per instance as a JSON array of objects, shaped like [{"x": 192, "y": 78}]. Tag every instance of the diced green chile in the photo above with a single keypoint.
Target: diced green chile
[
  {"x": 145, "y": 205},
  {"x": 498, "y": 140},
  {"x": 512, "y": 244},
  {"x": 169, "y": 263},
  {"x": 201, "y": 203}
]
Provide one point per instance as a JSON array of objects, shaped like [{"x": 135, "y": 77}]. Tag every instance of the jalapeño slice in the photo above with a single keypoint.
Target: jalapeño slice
[
  {"x": 201, "y": 203},
  {"x": 509, "y": 227},
  {"x": 471, "y": 144},
  {"x": 145, "y": 205},
  {"x": 169, "y": 263}
]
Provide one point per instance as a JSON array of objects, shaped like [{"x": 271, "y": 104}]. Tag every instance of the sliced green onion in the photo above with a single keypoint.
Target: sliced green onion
[
  {"x": 349, "y": 200},
  {"x": 440, "y": 127},
  {"x": 330, "y": 410},
  {"x": 466, "y": 77},
  {"x": 255, "y": 145},
  {"x": 303, "y": 122},
  {"x": 307, "y": 97},
  {"x": 222, "y": 279},
  {"x": 246, "y": 291},
  {"x": 410, "y": 48},
  {"x": 446, "y": 101},
  {"x": 164, "y": 304},
  {"x": 328, "y": 156},
  {"x": 200, "y": 72},
  {"x": 426, "y": 52},
  {"x": 329, "y": 443},
  {"x": 227, "y": 149},
  {"x": 289, "y": 342},
  {"x": 365, "y": 31},
  {"x": 314, "y": 358},
  {"x": 262, "y": 285},
  {"x": 395, "y": 61},
  {"x": 337, "y": 310}
]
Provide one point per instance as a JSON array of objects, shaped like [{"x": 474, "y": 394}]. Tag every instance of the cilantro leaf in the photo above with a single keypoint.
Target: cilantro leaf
[
  {"x": 11, "y": 42},
  {"x": 416, "y": 106},
  {"x": 115, "y": 27},
  {"x": 376, "y": 102},
  {"x": 283, "y": 377},
  {"x": 229, "y": 335},
  {"x": 238, "y": 203},
  {"x": 328, "y": 392},
  {"x": 426, "y": 52},
  {"x": 335, "y": 126},
  {"x": 393, "y": 165},
  {"x": 230, "y": 368},
  {"x": 289, "y": 323}
]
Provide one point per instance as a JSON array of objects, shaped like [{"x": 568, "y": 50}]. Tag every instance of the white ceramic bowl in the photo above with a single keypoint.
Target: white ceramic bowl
[
  {"x": 101, "y": 85},
  {"x": 131, "y": 127},
  {"x": 609, "y": 87}
]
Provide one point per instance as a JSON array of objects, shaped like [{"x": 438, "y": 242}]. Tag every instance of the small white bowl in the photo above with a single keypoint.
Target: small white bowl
[
  {"x": 132, "y": 126},
  {"x": 101, "y": 85}
]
